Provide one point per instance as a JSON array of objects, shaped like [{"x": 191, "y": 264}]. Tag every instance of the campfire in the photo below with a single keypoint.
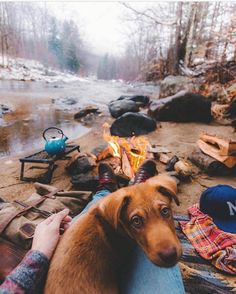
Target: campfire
[{"x": 127, "y": 153}]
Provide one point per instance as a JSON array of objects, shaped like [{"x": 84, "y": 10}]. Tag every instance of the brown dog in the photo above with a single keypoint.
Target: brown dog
[{"x": 89, "y": 255}]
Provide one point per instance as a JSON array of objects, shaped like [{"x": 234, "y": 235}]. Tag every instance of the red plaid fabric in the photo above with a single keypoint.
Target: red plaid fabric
[{"x": 210, "y": 242}]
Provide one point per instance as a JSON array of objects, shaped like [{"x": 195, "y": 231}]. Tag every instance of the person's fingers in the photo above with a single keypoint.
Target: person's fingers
[
  {"x": 59, "y": 217},
  {"x": 66, "y": 226},
  {"x": 48, "y": 220},
  {"x": 67, "y": 219}
]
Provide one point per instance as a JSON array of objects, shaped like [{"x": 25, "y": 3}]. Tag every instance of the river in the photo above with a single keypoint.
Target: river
[{"x": 37, "y": 105}]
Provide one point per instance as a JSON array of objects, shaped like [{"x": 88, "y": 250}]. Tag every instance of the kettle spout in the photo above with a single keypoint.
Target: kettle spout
[{"x": 65, "y": 138}]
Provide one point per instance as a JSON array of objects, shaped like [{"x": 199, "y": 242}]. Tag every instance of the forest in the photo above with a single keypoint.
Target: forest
[{"x": 187, "y": 38}]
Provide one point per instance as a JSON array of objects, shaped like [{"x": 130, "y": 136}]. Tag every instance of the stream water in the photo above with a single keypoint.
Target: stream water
[{"x": 39, "y": 105}]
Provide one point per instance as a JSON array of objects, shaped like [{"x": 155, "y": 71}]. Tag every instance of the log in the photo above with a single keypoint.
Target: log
[
  {"x": 210, "y": 165},
  {"x": 229, "y": 161},
  {"x": 125, "y": 163},
  {"x": 223, "y": 146}
]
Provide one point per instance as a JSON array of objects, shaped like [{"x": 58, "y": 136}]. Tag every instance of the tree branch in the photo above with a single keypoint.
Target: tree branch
[{"x": 143, "y": 13}]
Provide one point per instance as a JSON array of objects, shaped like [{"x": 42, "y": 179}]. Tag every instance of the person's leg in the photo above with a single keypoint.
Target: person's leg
[{"x": 143, "y": 277}]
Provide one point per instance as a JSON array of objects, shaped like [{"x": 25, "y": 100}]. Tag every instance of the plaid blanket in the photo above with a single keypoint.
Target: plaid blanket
[{"x": 210, "y": 242}]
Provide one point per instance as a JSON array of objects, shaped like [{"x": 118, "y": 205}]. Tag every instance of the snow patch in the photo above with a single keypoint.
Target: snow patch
[{"x": 21, "y": 69}]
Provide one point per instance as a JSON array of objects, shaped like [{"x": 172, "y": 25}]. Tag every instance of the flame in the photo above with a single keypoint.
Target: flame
[{"x": 135, "y": 147}]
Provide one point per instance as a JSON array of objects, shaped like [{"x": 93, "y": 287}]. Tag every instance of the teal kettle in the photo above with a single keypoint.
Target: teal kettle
[{"x": 55, "y": 145}]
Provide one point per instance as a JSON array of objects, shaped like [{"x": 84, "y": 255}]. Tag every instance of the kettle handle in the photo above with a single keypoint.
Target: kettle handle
[{"x": 55, "y": 128}]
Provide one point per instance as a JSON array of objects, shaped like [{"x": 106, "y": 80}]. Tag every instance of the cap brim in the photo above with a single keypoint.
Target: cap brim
[{"x": 226, "y": 225}]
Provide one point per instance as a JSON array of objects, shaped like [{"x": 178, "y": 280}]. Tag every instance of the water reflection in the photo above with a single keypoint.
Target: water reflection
[
  {"x": 34, "y": 110},
  {"x": 24, "y": 133}
]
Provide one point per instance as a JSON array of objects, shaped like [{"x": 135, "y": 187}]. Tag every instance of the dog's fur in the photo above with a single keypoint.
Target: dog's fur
[{"x": 89, "y": 255}]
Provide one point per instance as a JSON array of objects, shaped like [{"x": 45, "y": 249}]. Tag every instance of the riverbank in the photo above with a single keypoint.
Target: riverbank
[
  {"x": 37, "y": 105},
  {"x": 179, "y": 138}
]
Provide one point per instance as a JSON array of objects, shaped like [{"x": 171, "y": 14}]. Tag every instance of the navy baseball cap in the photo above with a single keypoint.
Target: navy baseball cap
[{"x": 219, "y": 202}]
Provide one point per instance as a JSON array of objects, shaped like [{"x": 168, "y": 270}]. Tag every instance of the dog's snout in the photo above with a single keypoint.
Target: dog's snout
[{"x": 168, "y": 255}]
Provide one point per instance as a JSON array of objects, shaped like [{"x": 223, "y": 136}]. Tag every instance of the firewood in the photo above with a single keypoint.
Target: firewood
[
  {"x": 209, "y": 165},
  {"x": 223, "y": 146},
  {"x": 105, "y": 153},
  {"x": 125, "y": 164},
  {"x": 114, "y": 162},
  {"x": 213, "y": 151},
  {"x": 164, "y": 158}
]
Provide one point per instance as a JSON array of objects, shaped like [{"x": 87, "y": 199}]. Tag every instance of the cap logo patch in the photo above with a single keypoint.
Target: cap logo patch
[{"x": 232, "y": 208}]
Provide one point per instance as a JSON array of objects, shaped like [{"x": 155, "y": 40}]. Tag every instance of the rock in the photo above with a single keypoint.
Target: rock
[
  {"x": 173, "y": 84},
  {"x": 4, "y": 109},
  {"x": 65, "y": 101},
  {"x": 182, "y": 107},
  {"x": 80, "y": 163},
  {"x": 132, "y": 124},
  {"x": 85, "y": 111},
  {"x": 141, "y": 100},
  {"x": 119, "y": 107},
  {"x": 171, "y": 163},
  {"x": 85, "y": 182}
]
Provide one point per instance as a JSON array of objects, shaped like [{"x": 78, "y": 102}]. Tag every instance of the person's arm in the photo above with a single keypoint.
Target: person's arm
[{"x": 30, "y": 275}]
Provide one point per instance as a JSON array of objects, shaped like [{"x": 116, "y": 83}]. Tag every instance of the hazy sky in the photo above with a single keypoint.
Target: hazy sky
[{"x": 101, "y": 22}]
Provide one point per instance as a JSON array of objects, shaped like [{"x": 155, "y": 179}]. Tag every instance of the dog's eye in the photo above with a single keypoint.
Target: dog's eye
[
  {"x": 136, "y": 221},
  {"x": 165, "y": 211}
]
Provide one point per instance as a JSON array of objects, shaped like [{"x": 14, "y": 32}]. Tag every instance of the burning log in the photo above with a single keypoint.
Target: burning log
[
  {"x": 131, "y": 152},
  {"x": 115, "y": 163},
  {"x": 125, "y": 164},
  {"x": 102, "y": 152}
]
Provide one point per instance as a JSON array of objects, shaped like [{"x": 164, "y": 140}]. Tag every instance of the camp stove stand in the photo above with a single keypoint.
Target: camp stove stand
[{"x": 43, "y": 157}]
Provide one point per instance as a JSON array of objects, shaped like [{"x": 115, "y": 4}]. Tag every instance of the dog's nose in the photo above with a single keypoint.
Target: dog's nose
[{"x": 168, "y": 255}]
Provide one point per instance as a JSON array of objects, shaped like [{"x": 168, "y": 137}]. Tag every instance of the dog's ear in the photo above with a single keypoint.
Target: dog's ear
[
  {"x": 168, "y": 193},
  {"x": 114, "y": 206},
  {"x": 165, "y": 185}
]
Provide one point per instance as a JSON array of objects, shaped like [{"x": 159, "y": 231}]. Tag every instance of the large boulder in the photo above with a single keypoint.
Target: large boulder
[
  {"x": 132, "y": 124},
  {"x": 182, "y": 107},
  {"x": 141, "y": 100},
  {"x": 80, "y": 163},
  {"x": 173, "y": 84},
  {"x": 119, "y": 107}
]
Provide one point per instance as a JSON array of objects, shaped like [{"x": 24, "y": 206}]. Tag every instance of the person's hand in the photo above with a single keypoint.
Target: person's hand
[{"x": 47, "y": 233}]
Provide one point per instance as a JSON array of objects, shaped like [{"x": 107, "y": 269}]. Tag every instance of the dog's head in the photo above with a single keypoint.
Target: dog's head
[{"x": 144, "y": 213}]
